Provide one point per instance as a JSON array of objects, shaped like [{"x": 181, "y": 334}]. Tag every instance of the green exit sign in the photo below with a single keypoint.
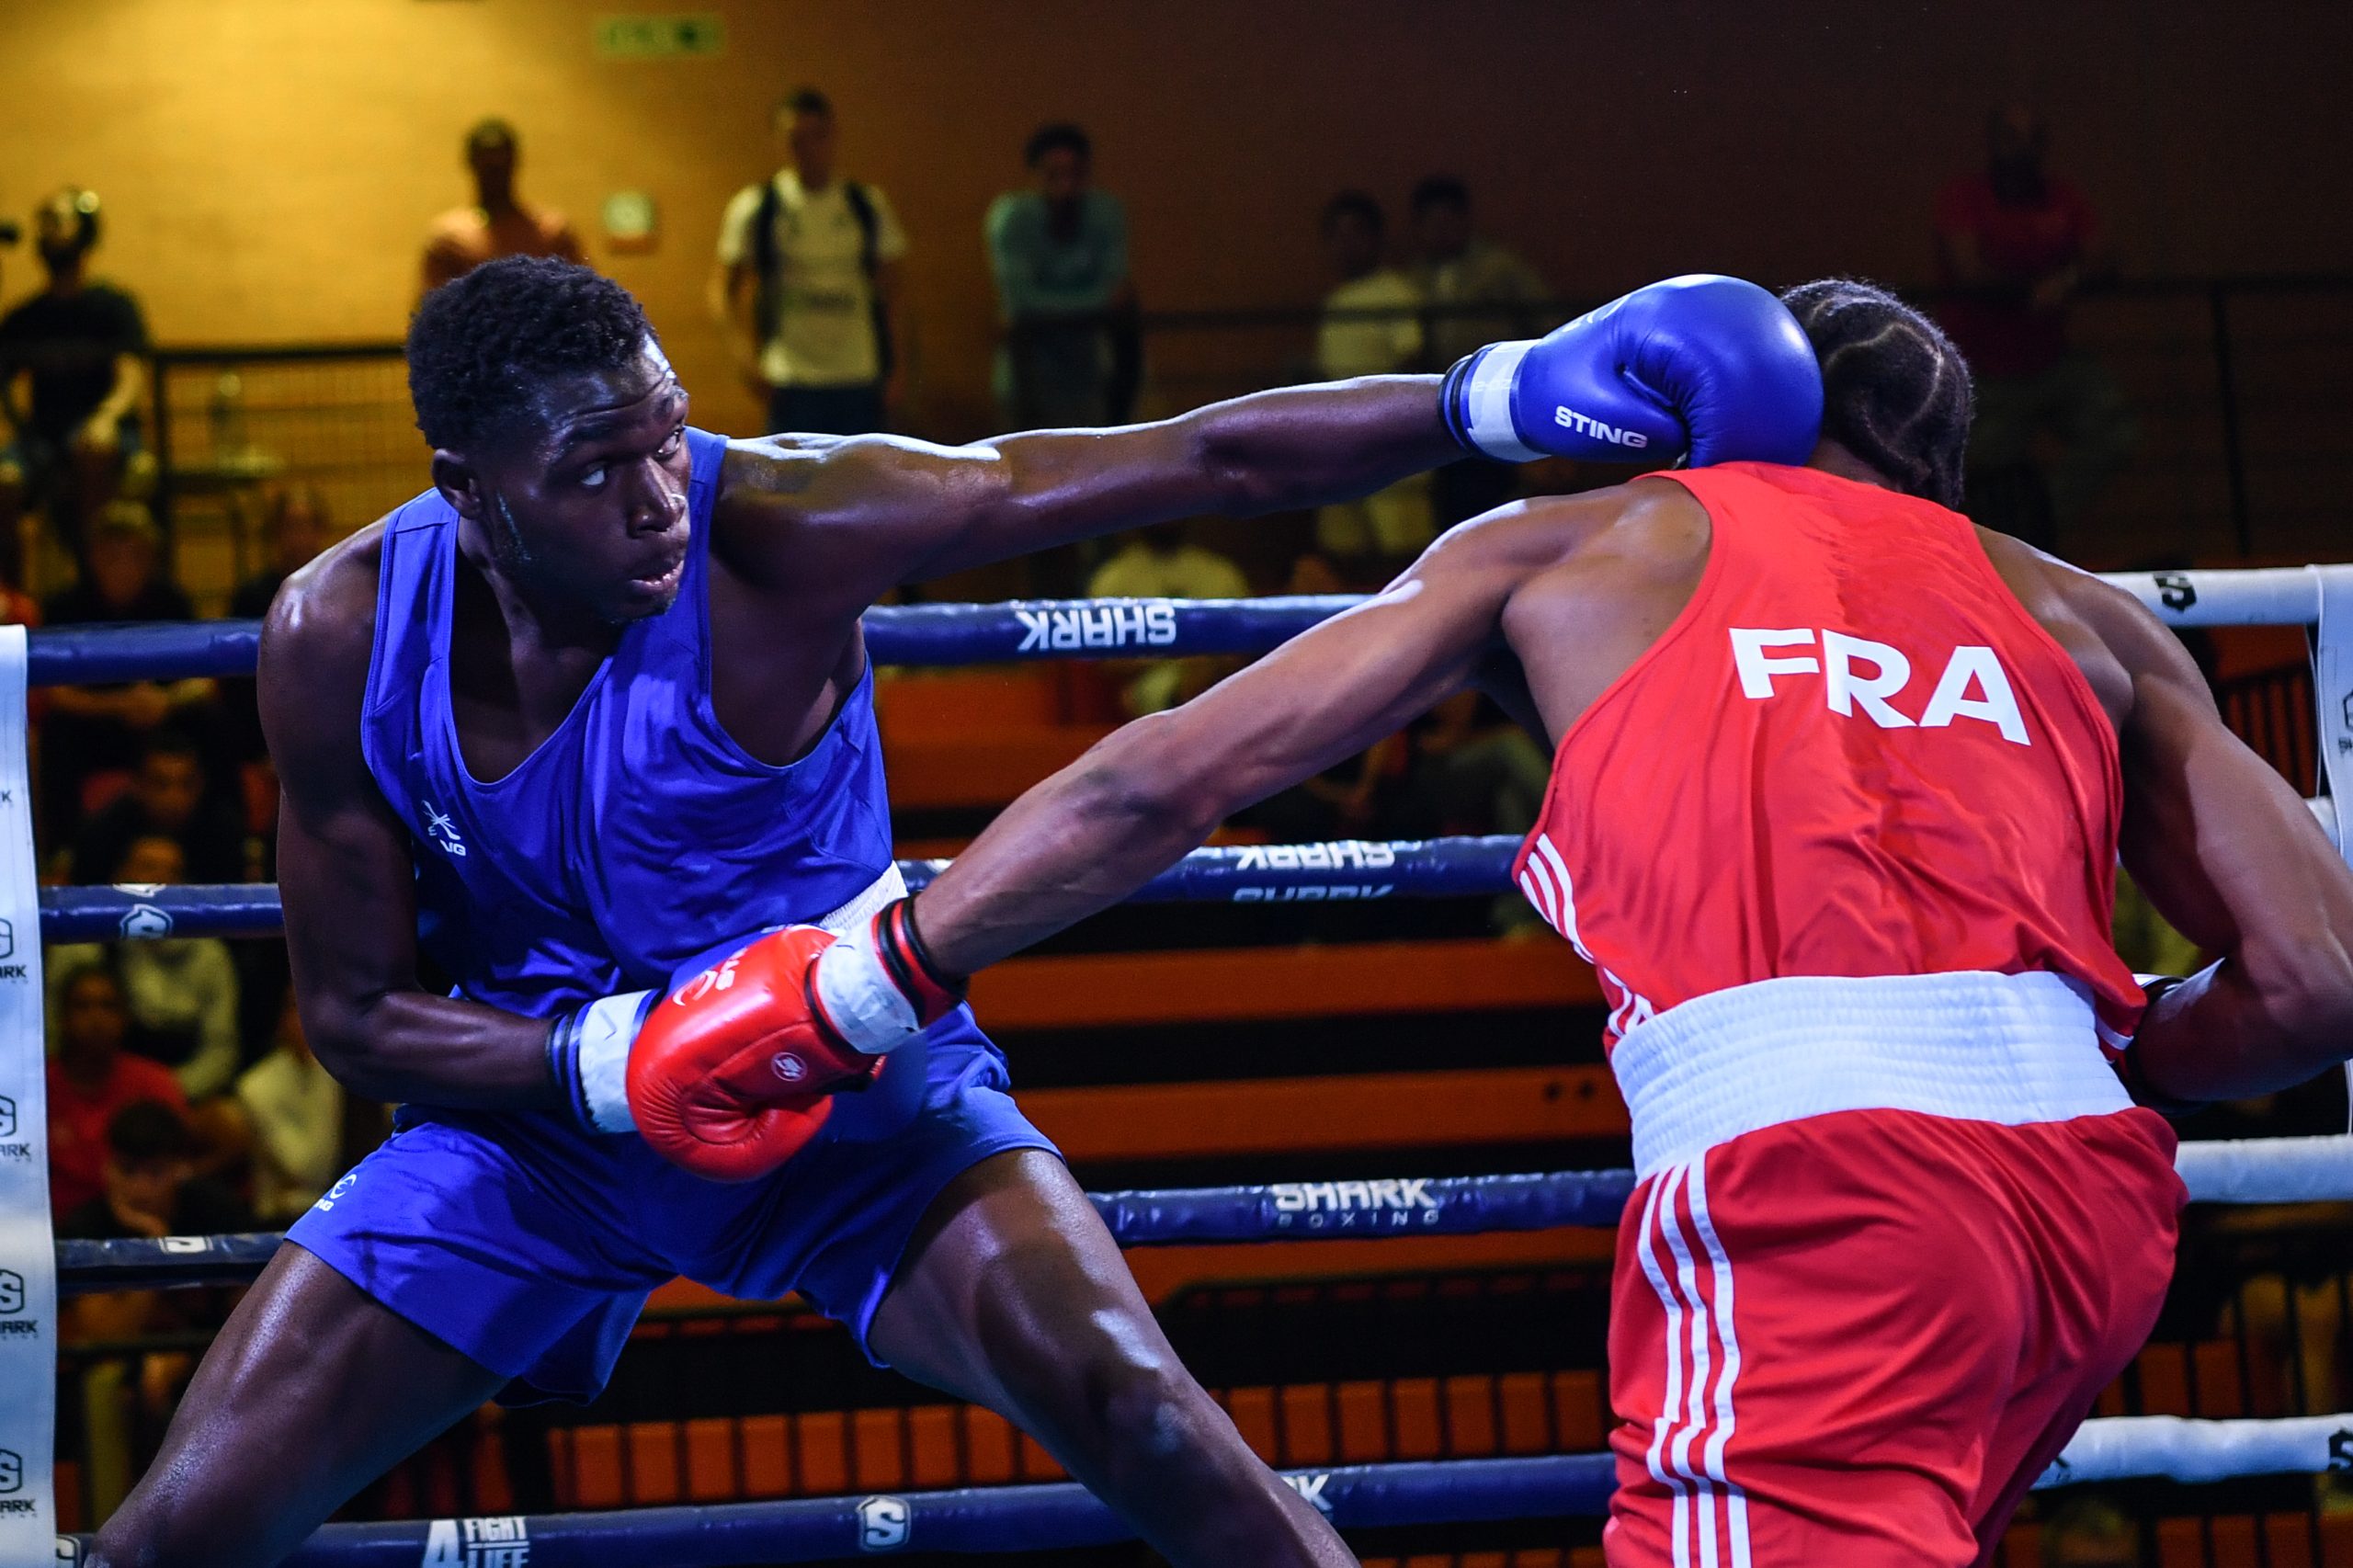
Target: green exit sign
[{"x": 661, "y": 37}]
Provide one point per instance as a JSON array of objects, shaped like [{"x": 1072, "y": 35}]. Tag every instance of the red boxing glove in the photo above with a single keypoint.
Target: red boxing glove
[{"x": 731, "y": 1075}]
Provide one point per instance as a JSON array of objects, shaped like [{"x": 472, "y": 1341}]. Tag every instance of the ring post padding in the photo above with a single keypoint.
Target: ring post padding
[
  {"x": 28, "y": 1246},
  {"x": 2333, "y": 689}
]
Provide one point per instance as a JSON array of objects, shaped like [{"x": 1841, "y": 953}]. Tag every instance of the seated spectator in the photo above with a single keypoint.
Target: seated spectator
[
  {"x": 1060, "y": 256},
  {"x": 1475, "y": 771},
  {"x": 167, "y": 800},
  {"x": 80, "y": 344},
  {"x": 149, "y": 1186},
  {"x": 2016, "y": 243},
  {"x": 181, "y": 991},
  {"x": 1373, "y": 326},
  {"x": 91, "y": 1077},
  {"x": 290, "y": 1111},
  {"x": 1476, "y": 292},
  {"x": 94, "y": 729},
  {"x": 1161, "y": 562},
  {"x": 498, "y": 223},
  {"x": 294, "y": 530}
]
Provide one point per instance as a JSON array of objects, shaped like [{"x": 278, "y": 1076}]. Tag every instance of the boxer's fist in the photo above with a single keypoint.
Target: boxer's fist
[
  {"x": 731, "y": 1073},
  {"x": 1712, "y": 365}
]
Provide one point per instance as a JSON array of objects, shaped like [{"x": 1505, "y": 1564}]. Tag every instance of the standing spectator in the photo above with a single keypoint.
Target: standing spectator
[
  {"x": 2016, "y": 244},
  {"x": 498, "y": 223},
  {"x": 91, "y": 1077},
  {"x": 1371, "y": 326},
  {"x": 94, "y": 729},
  {"x": 1161, "y": 562},
  {"x": 181, "y": 991},
  {"x": 1477, "y": 292},
  {"x": 292, "y": 1112},
  {"x": 80, "y": 346},
  {"x": 1059, "y": 252},
  {"x": 809, "y": 267},
  {"x": 166, "y": 799}
]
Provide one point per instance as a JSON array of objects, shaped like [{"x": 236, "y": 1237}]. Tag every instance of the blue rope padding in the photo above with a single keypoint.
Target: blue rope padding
[
  {"x": 895, "y": 634},
  {"x": 1058, "y": 629},
  {"x": 1257, "y": 873},
  {"x": 1325, "y": 1211},
  {"x": 974, "y": 1519}
]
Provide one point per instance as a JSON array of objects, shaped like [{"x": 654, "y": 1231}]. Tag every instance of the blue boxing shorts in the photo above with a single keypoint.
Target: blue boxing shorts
[{"x": 531, "y": 1245}]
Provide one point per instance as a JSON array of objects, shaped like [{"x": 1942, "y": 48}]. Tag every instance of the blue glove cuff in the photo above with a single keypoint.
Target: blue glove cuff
[
  {"x": 1476, "y": 403},
  {"x": 589, "y": 1055}
]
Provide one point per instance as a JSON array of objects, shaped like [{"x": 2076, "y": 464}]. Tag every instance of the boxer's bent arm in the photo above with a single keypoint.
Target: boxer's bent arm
[
  {"x": 910, "y": 511},
  {"x": 1140, "y": 799},
  {"x": 345, "y": 873},
  {"x": 2229, "y": 854}
]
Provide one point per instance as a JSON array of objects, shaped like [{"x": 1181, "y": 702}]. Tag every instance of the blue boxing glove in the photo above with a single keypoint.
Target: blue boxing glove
[{"x": 1713, "y": 364}]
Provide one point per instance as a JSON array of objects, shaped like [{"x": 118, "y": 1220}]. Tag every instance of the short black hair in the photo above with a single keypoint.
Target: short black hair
[
  {"x": 1355, "y": 204},
  {"x": 1062, "y": 135},
  {"x": 1894, "y": 390},
  {"x": 147, "y": 1131},
  {"x": 491, "y": 133},
  {"x": 169, "y": 740},
  {"x": 1439, "y": 190},
  {"x": 480, "y": 345},
  {"x": 804, "y": 100}
]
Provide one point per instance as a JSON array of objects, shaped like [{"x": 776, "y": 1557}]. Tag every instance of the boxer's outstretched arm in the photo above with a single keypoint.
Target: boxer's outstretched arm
[
  {"x": 1141, "y": 798},
  {"x": 2232, "y": 856},
  {"x": 345, "y": 873},
  {"x": 914, "y": 511}
]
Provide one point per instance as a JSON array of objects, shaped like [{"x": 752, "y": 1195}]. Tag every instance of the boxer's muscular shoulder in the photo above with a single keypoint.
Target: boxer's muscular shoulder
[
  {"x": 315, "y": 646},
  {"x": 1637, "y": 550},
  {"x": 789, "y": 505},
  {"x": 2100, "y": 627}
]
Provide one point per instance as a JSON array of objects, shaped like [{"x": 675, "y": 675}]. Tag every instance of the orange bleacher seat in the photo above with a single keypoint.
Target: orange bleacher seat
[
  {"x": 1582, "y": 1557},
  {"x": 988, "y": 1446},
  {"x": 594, "y": 1467},
  {"x": 1364, "y": 1423},
  {"x": 879, "y": 1459},
  {"x": 1580, "y": 1419},
  {"x": 653, "y": 1463},
  {"x": 823, "y": 1437},
  {"x": 68, "y": 1480},
  {"x": 1254, "y": 1416},
  {"x": 1036, "y": 1463},
  {"x": 1528, "y": 1428},
  {"x": 2220, "y": 1391},
  {"x": 1420, "y": 1425},
  {"x": 1471, "y": 1417},
  {"x": 710, "y": 1462},
  {"x": 493, "y": 1490},
  {"x": 768, "y": 1456},
  {"x": 931, "y": 1430},
  {"x": 1306, "y": 1425},
  {"x": 2164, "y": 1379}
]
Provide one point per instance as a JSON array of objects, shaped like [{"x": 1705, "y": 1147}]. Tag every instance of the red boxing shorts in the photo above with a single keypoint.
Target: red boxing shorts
[{"x": 1858, "y": 1335}]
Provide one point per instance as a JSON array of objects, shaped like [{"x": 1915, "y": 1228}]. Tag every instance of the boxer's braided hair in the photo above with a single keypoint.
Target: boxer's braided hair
[
  {"x": 1894, "y": 390},
  {"x": 480, "y": 349}
]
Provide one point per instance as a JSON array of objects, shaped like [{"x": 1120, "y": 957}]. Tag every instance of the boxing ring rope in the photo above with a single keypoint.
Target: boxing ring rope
[{"x": 1014, "y": 1518}]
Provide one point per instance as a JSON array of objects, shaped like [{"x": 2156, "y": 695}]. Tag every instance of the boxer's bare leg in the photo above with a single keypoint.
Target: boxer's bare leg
[
  {"x": 1013, "y": 1295},
  {"x": 312, "y": 1391}
]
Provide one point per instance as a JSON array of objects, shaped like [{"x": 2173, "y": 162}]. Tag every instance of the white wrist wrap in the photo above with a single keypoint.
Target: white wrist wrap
[
  {"x": 1487, "y": 403},
  {"x": 860, "y": 997},
  {"x": 607, "y": 1030}
]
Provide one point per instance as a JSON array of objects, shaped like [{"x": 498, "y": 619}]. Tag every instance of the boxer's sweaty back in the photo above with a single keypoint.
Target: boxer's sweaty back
[{"x": 1853, "y": 754}]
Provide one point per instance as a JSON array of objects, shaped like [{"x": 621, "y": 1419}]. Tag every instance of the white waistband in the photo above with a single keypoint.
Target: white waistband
[
  {"x": 875, "y": 894},
  {"x": 1977, "y": 1047}
]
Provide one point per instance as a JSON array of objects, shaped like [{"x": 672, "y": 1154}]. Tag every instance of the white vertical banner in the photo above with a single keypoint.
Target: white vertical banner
[
  {"x": 28, "y": 1248},
  {"x": 2332, "y": 687}
]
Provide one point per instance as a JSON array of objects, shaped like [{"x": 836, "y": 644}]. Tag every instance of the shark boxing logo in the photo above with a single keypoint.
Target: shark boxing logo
[
  {"x": 502, "y": 1541},
  {"x": 2340, "y": 1451},
  {"x": 11, "y": 1148},
  {"x": 12, "y": 1481},
  {"x": 8, "y": 951},
  {"x": 1312, "y": 1488},
  {"x": 1139, "y": 623},
  {"x": 884, "y": 1524},
  {"x": 8, "y": 1117},
  {"x": 12, "y": 1303},
  {"x": 143, "y": 922},
  {"x": 1391, "y": 1204},
  {"x": 1340, "y": 855}
]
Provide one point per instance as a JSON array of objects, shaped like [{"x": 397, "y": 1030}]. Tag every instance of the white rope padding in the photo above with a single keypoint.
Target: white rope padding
[
  {"x": 2269, "y": 1170},
  {"x": 2264, "y": 595},
  {"x": 2122, "y": 1446},
  {"x": 27, "y": 1247}
]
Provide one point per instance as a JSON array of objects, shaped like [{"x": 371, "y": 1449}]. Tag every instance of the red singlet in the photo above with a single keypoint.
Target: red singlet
[{"x": 1853, "y": 754}]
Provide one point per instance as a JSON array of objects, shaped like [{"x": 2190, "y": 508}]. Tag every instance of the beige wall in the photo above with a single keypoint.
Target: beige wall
[{"x": 267, "y": 165}]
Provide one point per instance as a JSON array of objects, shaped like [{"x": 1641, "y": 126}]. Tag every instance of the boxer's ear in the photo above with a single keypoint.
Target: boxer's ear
[{"x": 459, "y": 485}]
